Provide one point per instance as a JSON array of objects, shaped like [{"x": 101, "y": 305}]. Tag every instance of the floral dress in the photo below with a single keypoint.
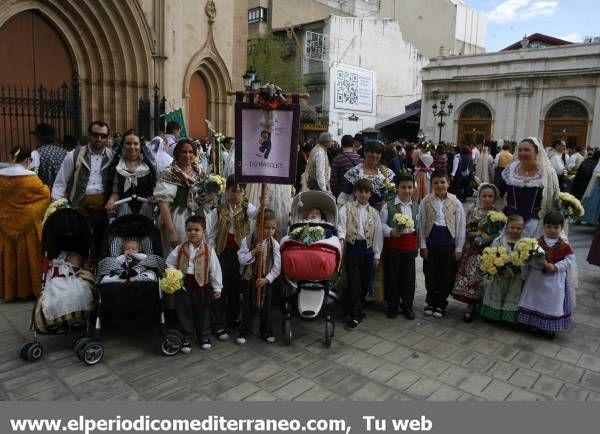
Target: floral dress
[
  {"x": 382, "y": 185},
  {"x": 467, "y": 287}
]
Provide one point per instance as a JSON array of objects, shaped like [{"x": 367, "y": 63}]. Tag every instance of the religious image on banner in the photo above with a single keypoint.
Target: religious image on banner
[{"x": 266, "y": 142}]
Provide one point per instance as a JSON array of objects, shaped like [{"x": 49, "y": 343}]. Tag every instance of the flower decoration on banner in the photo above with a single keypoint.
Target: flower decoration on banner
[
  {"x": 403, "y": 221},
  {"x": 526, "y": 250},
  {"x": 172, "y": 281},
  {"x": 493, "y": 260},
  {"x": 491, "y": 225},
  {"x": 569, "y": 206},
  {"x": 269, "y": 97},
  {"x": 54, "y": 206},
  {"x": 308, "y": 234}
]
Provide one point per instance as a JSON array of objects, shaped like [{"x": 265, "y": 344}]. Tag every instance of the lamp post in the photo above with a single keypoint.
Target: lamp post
[
  {"x": 441, "y": 113},
  {"x": 251, "y": 79}
]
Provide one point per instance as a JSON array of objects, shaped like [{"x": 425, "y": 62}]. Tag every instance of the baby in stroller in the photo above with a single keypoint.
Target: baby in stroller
[
  {"x": 311, "y": 258},
  {"x": 68, "y": 293},
  {"x": 131, "y": 265}
]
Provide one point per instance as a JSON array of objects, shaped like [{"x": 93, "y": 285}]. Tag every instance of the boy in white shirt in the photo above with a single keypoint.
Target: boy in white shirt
[
  {"x": 202, "y": 283},
  {"x": 360, "y": 228}
]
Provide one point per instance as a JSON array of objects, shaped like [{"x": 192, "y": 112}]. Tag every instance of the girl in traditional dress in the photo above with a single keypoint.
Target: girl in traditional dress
[
  {"x": 546, "y": 301},
  {"x": 501, "y": 297},
  {"x": 24, "y": 201},
  {"x": 467, "y": 287},
  {"x": 424, "y": 166}
]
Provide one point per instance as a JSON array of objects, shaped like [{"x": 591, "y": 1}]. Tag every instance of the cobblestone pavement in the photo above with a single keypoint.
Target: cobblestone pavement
[{"x": 425, "y": 359}]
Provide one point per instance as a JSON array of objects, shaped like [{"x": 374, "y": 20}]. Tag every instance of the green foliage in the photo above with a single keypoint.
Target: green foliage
[{"x": 276, "y": 60}]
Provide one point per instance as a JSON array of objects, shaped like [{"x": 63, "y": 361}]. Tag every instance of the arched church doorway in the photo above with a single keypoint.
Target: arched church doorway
[
  {"x": 475, "y": 124},
  {"x": 566, "y": 120},
  {"x": 198, "y": 107},
  {"x": 36, "y": 81}
]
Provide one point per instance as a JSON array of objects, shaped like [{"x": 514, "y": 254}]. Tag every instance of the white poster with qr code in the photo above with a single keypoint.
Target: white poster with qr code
[{"x": 353, "y": 88}]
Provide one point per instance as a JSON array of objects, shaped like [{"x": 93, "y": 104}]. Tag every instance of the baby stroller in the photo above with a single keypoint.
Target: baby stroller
[
  {"x": 64, "y": 230},
  {"x": 311, "y": 271},
  {"x": 135, "y": 298}
]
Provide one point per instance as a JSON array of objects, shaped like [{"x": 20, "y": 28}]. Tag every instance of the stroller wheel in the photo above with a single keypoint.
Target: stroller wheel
[
  {"x": 287, "y": 331},
  {"x": 35, "y": 352},
  {"x": 171, "y": 344},
  {"x": 24, "y": 349},
  {"x": 329, "y": 328},
  {"x": 92, "y": 353},
  {"x": 80, "y": 343}
]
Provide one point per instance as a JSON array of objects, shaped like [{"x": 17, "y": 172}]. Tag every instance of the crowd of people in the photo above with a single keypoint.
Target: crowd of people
[{"x": 397, "y": 201}]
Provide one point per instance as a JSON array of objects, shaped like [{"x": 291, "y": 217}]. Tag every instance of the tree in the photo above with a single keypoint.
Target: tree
[{"x": 275, "y": 60}]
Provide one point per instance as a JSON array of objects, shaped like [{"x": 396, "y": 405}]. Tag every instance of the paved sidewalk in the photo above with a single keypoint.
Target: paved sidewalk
[{"x": 424, "y": 359}]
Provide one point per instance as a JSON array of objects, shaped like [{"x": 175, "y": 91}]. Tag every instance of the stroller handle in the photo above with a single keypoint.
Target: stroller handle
[{"x": 133, "y": 197}]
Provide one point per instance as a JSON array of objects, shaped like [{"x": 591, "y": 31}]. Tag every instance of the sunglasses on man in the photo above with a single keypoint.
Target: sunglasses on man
[{"x": 99, "y": 135}]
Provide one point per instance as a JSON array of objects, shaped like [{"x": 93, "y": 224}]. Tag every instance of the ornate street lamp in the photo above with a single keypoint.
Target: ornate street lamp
[
  {"x": 441, "y": 113},
  {"x": 249, "y": 77}
]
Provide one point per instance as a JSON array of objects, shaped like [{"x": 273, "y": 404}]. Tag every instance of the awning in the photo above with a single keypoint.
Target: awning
[{"x": 403, "y": 116}]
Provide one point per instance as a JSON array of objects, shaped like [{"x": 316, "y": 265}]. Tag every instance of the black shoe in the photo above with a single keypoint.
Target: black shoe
[
  {"x": 351, "y": 324},
  {"x": 408, "y": 313},
  {"x": 468, "y": 317},
  {"x": 392, "y": 312}
]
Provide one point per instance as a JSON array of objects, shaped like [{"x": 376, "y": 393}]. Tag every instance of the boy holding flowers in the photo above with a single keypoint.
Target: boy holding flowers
[
  {"x": 399, "y": 218},
  {"x": 202, "y": 281}
]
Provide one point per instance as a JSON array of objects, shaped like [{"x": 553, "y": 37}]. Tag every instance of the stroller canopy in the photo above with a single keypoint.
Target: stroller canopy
[
  {"x": 66, "y": 230},
  {"x": 131, "y": 227},
  {"x": 306, "y": 200}
]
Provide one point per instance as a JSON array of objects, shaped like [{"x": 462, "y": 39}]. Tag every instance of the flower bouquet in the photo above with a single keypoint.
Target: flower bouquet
[
  {"x": 598, "y": 175},
  {"x": 569, "y": 206},
  {"x": 491, "y": 225},
  {"x": 493, "y": 260},
  {"x": 213, "y": 184},
  {"x": 172, "y": 281},
  {"x": 54, "y": 206},
  {"x": 403, "y": 221},
  {"x": 526, "y": 250},
  {"x": 308, "y": 234}
]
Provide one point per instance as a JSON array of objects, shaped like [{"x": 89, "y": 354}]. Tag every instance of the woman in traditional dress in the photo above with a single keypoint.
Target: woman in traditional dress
[
  {"x": 24, "y": 201},
  {"x": 591, "y": 198},
  {"x": 424, "y": 167},
  {"x": 135, "y": 174},
  {"x": 530, "y": 185},
  {"x": 381, "y": 176},
  {"x": 173, "y": 194},
  {"x": 467, "y": 287}
]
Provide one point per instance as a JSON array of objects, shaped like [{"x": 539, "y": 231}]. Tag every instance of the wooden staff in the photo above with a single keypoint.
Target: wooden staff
[{"x": 261, "y": 237}]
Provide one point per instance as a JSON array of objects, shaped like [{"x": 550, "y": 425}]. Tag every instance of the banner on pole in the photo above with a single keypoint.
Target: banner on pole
[
  {"x": 266, "y": 142},
  {"x": 177, "y": 116}
]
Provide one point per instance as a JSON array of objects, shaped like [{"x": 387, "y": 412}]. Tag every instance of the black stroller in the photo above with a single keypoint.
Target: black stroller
[
  {"x": 65, "y": 230},
  {"x": 135, "y": 298}
]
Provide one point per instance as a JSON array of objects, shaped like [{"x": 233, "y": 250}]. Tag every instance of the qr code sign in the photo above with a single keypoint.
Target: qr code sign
[{"x": 346, "y": 91}]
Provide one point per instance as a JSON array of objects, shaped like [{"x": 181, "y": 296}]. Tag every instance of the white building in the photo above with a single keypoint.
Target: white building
[
  {"x": 545, "y": 91},
  {"x": 372, "y": 72}
]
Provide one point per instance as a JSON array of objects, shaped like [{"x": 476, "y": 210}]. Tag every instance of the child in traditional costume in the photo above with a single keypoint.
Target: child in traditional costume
[
  {"x": 467, "y": 287},
  {"x": 202, "y": 283},
  {"x": 501, "y": 297},
  {"x": 270, "y": 268},
  {"x": 360, "y": 227},
  {"x": 230, "y": 225},
  {"x": 400, "y": 249},
  {"x": 442, "y": 238},
  {"x": 546, "y": 301}
]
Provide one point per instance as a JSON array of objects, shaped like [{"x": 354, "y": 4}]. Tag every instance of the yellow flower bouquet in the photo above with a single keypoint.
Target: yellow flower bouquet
[
  {"x": 172, "y": 281},
  {"x": 493, "y": 260},
  {"x": 492, "y": 224},
  {"x": 526, "y": 250},
  {"x": 403, "y": 221},
  {"x": 54, "y": 206},
  {"x": 308, "y": 234},
  {"x": 569, "y": 205}
]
